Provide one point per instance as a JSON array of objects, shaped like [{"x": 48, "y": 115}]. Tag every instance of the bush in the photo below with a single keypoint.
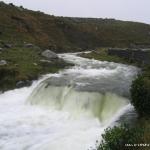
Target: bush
[
  {"x": 116, "y": 138},
  {"x": 140, "y": 94},
  {"x": 7, "y": 78}
]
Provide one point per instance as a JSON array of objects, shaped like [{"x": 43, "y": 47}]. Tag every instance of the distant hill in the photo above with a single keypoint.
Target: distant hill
[{"x": 19, "y": 25}]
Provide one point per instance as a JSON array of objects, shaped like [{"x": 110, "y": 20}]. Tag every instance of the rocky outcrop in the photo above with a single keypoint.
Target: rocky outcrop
[
  {"x": 141, "y": 56},
  {"x": 50, "y": 55}
]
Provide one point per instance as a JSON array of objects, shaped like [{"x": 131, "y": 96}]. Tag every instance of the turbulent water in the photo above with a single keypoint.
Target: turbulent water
[{"x": 68, "y": 110}]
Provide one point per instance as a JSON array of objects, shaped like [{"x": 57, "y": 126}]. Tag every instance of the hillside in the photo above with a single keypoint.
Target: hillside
[{"x": 19, "y": 25}]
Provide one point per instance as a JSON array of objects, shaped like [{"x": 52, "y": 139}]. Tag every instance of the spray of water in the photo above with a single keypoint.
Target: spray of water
[{"x": 68, "y": 110}]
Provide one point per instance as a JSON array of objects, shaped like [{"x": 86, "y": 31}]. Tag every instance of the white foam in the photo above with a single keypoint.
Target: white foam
[{"x": 35, "y": 127}]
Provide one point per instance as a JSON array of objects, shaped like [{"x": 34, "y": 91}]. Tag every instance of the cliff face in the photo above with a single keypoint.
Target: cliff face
[{"x": 19, "y": 25}]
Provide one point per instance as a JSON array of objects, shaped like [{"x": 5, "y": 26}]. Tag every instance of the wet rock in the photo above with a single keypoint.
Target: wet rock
[
  {"x": 3, "y": 62},
  {"x": 49, "y": 54},
  {"x": 21, "y": 84}
]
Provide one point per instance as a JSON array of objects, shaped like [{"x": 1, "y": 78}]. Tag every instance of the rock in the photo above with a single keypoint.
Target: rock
[
  {"x": 49, "y": 54},
  {"x": 29, "y": 45},
  {"x": 7, "y": 45},
  {"x": 35, "y": 64},
  {"x": 3, "y": 62},
  {"x": 21, "y": 84},
  {"x": 45, "y": 61}
]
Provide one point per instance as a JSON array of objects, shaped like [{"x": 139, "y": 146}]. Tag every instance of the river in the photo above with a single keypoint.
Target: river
[{"x": 68, "y": 110}]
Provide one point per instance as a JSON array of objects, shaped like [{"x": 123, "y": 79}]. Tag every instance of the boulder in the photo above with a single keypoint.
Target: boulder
[
  {"x": 49, "y": 54},
  {"x": 3, "y": 62},
  {"x": 21, "y": 84}
]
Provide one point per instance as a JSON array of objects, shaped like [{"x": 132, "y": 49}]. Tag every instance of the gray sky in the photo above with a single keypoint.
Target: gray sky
[{"x": 134, "y": 10}]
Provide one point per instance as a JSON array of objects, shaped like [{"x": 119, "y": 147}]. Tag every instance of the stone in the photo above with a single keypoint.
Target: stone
[
  {"x": 3, "y": 62},
  {"x": 21, "y": 84},
  {"x": 45, "y": 61},
  {"x": 29, "y": 45},
  {"x": 35, "y": 64},
  {"x": 7, "y": 45},
  {"x": 49, "y": 54}
]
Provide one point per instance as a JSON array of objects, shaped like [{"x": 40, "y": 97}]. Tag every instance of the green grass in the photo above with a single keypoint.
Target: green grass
[
  {"x": 24, "y": 64},
  {"x": 102, "y": 55}
]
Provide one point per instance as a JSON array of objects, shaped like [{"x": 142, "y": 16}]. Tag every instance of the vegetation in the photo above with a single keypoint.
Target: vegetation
[
  {"x": 62, "y": 34},
  {"x": 25, "y": 64},
  {"x": 140, "y": 93},
  {"x": 116, "y": 138},
  {"x": 102, "y": 54}
]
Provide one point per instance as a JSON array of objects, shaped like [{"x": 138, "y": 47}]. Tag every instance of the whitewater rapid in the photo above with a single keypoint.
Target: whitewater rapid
[{"x": 68, "y": 110}]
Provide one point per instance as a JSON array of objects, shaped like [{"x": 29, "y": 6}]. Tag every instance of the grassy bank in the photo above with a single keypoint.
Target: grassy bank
[
  {"x": 102, "y": 55},
  {"x": 25, "y": 64}
]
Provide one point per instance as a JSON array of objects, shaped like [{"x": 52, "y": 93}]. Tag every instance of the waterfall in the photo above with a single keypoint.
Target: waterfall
[
  {"x": 68, "y": 110},
  {"x": 78, "y": 103}
]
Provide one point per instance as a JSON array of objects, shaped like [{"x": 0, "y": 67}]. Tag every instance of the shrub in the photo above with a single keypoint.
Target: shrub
[
  {"x": 116, "y": 138},
  {"x": 7, "y": 78},
  {"x": 140, "y": 94}
]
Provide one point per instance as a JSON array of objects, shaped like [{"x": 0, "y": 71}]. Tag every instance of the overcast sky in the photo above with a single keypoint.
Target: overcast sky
[{"x": 134, "y": 10}]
